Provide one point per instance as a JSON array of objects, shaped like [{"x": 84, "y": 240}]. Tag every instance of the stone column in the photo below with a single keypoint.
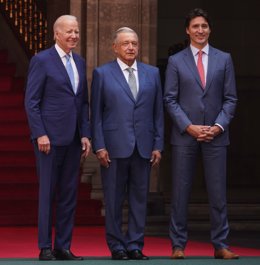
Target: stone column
[
  {"x": 105, "y": 16},
  {"x": 78, "y": 9}
]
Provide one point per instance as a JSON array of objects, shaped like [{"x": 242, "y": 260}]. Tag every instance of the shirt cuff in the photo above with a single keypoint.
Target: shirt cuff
[
  {"x": 220, "y": 127},
  {"x": 99, "y": 150}
]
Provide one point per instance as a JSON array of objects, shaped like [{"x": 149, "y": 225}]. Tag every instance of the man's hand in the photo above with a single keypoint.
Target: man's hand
[
  {"x": 197, "y": 131},
  {"x": 103, "y": 157},
  {"x": 44, "y": 144},
  {"x": 86, "y": 146},
  {"x": 155, "y": 158},
  {"x": 204, "y": 133}
]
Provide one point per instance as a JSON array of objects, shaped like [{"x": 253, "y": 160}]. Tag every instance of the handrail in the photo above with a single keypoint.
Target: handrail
[{"x": 28, "y": 22}]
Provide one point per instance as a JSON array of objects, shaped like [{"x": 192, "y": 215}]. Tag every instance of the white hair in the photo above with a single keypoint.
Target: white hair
[
  {"x": 123, "y": 30},
  {"x": 60, "y": 20}
]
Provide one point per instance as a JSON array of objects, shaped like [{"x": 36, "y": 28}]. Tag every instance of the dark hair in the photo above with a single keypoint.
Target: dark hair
[{"x": 197, "y": 12}]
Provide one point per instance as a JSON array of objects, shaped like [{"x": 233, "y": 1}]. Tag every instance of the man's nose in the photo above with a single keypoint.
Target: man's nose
[{"x": 200, "y": 29}]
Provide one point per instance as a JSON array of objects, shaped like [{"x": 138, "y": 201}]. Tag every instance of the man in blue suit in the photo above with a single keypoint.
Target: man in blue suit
[
  {"x": 127, "y": 137},
  {"x": 200, "y": 97},
  {"x": 56, "y": 102}
]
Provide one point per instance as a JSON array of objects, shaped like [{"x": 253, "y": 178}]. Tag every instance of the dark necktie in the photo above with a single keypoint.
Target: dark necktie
[{"x": 132, "y": 82}]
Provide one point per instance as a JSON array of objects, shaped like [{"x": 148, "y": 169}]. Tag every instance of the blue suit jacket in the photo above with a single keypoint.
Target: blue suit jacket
[
  {"x": 51, "y": 105},
  {"x": 118, "y": 122},
  {"x": 188, "y": 102}
]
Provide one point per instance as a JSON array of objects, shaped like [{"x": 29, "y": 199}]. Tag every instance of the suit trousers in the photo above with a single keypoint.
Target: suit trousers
[
  {"x": 184, "y": 160},
  {"x": 58, "y": 185},
  {"x": 126, "y": 178}
]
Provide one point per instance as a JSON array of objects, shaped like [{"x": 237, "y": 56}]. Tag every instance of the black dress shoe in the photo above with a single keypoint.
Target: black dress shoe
[
  {"x": 65, "y": 254},
  {"x": 46, "y": 254},
  {"x": 137, "y": 254},
  {"x": 119, "y": 255}
]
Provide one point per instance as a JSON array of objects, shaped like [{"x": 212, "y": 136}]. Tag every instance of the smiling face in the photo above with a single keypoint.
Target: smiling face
[
  {"x": 66, "y": 34},
  {"x": 199, "y": 32},
  {"x": 126, "y": 47}
]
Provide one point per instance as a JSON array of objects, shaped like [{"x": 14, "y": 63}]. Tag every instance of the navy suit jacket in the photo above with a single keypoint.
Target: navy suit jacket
[
  {"x": 188, "y": 102},
  {"x": 51, "y": 105},
  {"x": 118, "y": 122}
]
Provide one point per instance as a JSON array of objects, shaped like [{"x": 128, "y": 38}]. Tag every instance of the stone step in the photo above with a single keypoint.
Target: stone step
[{"x": 242, "y": 217}]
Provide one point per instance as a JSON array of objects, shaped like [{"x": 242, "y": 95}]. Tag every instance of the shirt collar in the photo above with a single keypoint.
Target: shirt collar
[
  {"x": 61, "y": 52},
  {"x": 195, "y": 50},
  {"x": 124, "y": 66}
]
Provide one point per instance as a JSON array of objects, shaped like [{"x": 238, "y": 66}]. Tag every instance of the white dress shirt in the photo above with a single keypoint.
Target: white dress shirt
[
  {"x": 205, "y": 57},
  {"x": 124, "y": 66},
  {"x": 62, "y": 55}
]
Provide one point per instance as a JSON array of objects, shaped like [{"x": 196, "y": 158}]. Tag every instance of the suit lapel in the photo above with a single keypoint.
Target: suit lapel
[
  {"x": 190, "y": 62},
  {"x": 58, "y": 62},
  {"x": 119, "y": 76},
  {"x": 212, "y": 62},
  {"x": 141, "y": 79},
  {"x": 78, "y": 66}
]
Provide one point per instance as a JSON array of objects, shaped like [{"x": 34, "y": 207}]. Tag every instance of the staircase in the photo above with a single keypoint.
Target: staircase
[{"x": 18, "y": 180}]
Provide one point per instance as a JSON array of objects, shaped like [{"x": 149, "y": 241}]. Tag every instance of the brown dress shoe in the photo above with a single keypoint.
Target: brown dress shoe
[
  {"x": 225, "y": 253},
  {"x": 177, "y": 253}
]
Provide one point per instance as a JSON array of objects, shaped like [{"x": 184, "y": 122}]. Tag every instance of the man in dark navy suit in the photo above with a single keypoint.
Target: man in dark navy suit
[
  {"x": 56, "y": 102},
  {"x": 127, "y": 134}
]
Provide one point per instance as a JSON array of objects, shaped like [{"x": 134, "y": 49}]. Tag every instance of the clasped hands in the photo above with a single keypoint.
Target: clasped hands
[{"x": 203, "y": 133}]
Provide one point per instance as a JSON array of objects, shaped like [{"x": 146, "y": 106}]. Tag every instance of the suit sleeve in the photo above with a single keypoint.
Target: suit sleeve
[
  {"x": 171, "y": 95},
  {"x": 96, "y": 105},
  {"x": 33, "y": 97},
  {"x": 158, "y": 116},
  {"x": 229, "y": 96},
  {"x": 85, "y": 123}
]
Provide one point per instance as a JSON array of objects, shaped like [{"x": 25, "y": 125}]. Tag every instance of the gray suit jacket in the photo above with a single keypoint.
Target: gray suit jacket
[{"x": 188, "y": 102}]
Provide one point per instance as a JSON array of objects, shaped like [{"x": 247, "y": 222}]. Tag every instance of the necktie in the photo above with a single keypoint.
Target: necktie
[
  {"x": 201, "y": 68},
  {"x": 132, "y": 82},
  {"x": 70, "y": 72}
]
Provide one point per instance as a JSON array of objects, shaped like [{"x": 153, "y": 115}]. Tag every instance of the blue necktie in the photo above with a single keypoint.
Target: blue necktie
[{"x": 70, "y": 72}]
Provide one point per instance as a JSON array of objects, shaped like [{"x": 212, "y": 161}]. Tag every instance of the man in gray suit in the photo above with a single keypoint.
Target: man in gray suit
[
  {"x": 127, "y": 137},
  {"x": 200, "y": 97}
]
